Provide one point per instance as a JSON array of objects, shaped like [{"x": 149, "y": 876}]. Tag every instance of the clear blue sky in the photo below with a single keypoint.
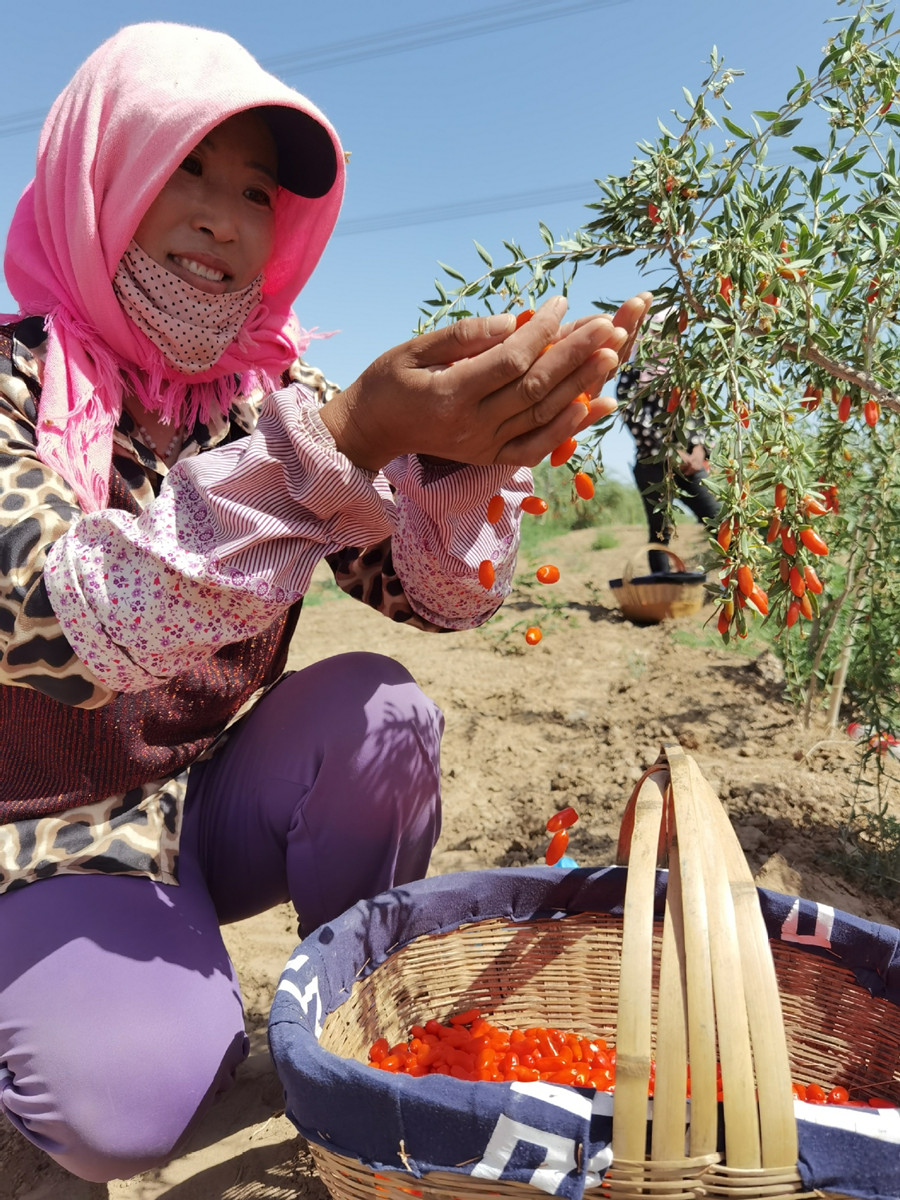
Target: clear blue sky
[{"x": 463, "y": 124}]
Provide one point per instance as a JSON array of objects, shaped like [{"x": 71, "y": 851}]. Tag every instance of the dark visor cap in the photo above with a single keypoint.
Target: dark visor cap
[{"x": 306, "y": 158}]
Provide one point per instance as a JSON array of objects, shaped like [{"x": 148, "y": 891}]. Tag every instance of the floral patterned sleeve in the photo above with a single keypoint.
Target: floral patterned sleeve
[{"x": 426, "y": 574}]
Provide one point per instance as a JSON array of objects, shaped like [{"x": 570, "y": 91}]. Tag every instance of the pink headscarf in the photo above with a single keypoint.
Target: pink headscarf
[{"x": 130, "y": 115}]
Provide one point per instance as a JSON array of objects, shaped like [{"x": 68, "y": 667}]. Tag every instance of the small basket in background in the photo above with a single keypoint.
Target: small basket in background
[{"x": 661, "y": 595}]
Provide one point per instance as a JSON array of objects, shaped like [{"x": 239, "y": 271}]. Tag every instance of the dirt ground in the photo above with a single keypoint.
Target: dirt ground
[{"x": 573, "y": 720}]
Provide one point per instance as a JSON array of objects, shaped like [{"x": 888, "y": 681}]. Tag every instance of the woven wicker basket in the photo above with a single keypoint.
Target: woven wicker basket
[
  {"x": 649, "y": 599},
  {"x": 703, "y": 985}
]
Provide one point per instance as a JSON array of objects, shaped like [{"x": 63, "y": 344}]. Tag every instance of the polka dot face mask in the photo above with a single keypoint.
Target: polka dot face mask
[{"x": 193, "y": 329}]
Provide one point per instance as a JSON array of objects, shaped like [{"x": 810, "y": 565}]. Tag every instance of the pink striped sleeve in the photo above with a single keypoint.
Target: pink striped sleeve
[
  {"x": 231, "y": 540},
  {"x": 442, "y": 535}
]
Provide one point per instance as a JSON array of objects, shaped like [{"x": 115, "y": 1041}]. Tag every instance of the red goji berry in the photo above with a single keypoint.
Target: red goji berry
[
  {"x": 486, "y": 574},
  {"x": 780, "y": 495},
  {"x": 844, "y": 406},
  {"x": 812, "y": 541},
  {"x": 813, "y": 507},
  {"x": 793, "y": 614},
  {"x": 547, "y": 574},
  {"x": 533, "y": 635},
  {"x": 564, "y": 819},
  {"x": 788, "y": 542},
  {"x": 535, "y": 505},
  {"x": 815, "y": 1093},
  {"x": 760, "y": 599},
  {"x": 467, "y": 1017},
  {"x": 674, "y": 399},
  {"x": 871, "y": 412},
  {"x": 796, "y": 582},
  {"x": 379, "y": 1050},
  {"x": 837, "y": 1095},
  {"x": 524, "y": 317},
  {"x": 563, "y": 452},
  {"x": 557, "y": 848},
  {"x": 723, "y": 537},
  {"x": 813, "y": 582},
  {"x": 584, "y": 485},
  {"x": 745, "y": 579},
  {"x": 495, "y": 508}
]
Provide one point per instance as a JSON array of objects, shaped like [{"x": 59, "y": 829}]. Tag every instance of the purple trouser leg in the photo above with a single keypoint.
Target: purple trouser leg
[{"x": 120, "y": 1016}]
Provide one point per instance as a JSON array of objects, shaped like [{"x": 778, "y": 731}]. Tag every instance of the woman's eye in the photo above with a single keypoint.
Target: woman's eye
[
  {"x": 191, "y": 164},
  {"x": 259, "y": 196}
]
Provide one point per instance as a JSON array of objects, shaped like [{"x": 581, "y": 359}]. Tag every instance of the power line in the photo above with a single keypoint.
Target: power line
[
  {"x": 416, "y": 37},
  {"x": 378, "y": 45},
  {"x": 466, "y": 208}
]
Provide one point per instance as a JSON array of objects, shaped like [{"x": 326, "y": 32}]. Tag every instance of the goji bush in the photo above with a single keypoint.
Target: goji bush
[{"x": 777, "y": 291}]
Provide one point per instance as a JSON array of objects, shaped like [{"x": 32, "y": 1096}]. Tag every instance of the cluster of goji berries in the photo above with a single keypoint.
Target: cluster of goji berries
[
  {"x": 558, "y": 826},
  {"x": 472, "y": 1048},
  {"x": 798, "y": 540},
  {"x": 845, "y": 401},
  {"x": 814, "y": 1093},
  {"x": 536, "y": 505}
]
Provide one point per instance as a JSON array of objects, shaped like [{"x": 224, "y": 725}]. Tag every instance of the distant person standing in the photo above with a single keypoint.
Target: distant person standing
[{"x": 643, "y": 411}]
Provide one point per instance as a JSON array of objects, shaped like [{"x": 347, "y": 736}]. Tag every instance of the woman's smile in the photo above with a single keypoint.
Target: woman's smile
[{"x": 199, "y": 269}]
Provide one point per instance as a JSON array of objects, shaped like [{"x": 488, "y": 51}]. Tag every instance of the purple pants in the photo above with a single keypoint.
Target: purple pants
[{"x": 120, "y": 1013}]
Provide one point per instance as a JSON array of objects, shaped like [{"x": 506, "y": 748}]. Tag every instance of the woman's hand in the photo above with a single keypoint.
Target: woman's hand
[{"x": 482, "y": 391}]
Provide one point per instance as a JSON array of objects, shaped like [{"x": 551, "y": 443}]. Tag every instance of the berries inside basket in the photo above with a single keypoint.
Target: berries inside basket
[{"x": 630, "y": 954}]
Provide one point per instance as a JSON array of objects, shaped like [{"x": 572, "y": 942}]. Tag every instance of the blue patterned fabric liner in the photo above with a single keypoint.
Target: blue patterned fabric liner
[{"x": 555, "y": 1138}]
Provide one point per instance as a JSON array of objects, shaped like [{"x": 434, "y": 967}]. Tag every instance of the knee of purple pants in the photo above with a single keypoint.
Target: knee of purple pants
[
  {"x": 127, "y": 1126},
  {"x": 326, "y": 793},
  {"x": 371, "y": 817},
  {"x": 120, "y": 1019}
]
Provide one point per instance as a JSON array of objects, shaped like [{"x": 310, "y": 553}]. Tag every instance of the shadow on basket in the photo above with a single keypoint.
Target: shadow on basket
[
  {"x": 715, "y": 994},
  {"x": 660, "y": 596}
]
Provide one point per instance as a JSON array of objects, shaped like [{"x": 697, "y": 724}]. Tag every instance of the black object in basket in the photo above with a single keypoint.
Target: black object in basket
[{"x": 649, "y": 599}]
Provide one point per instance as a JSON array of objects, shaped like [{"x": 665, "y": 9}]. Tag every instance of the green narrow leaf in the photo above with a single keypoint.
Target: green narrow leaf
[
  {"x": 667, "y": 132},
  {"x": 766, "y": 114},
  {"x": 735, "y": 129},
  {"x": 687, "y": 95},
  {"x": 783, "y": 128},
  {"x": 450, "y": 271},
  {"x": 843, "y": 165},
  {"x": 847, "y": 285},
  {"x": 483, "y": 254},
  {"x": 809, "y": 152}
]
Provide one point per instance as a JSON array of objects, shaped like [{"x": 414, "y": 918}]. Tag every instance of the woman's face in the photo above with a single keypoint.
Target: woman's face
[{"x": 213, "y": 223}]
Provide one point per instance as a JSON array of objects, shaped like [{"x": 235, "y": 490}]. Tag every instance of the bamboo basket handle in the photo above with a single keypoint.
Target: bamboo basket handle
[
  {"x": 634, "y": 1018},
  {"x": 717, "y": 994},
  {"x": 701, "y": 1012},
  {"x": 760, "y": 1127},
  {"x": 778, "y": 1127},
  {"x": 628, "y": 573},
  {"x": 670, "y": 1090}
]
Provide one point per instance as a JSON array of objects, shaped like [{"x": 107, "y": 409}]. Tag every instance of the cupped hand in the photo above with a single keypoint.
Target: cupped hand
[{"x": 481, "y": 391}]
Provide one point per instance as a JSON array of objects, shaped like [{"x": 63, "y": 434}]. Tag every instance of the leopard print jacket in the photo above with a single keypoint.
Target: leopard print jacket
[{"x": 136, "y": 833}]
